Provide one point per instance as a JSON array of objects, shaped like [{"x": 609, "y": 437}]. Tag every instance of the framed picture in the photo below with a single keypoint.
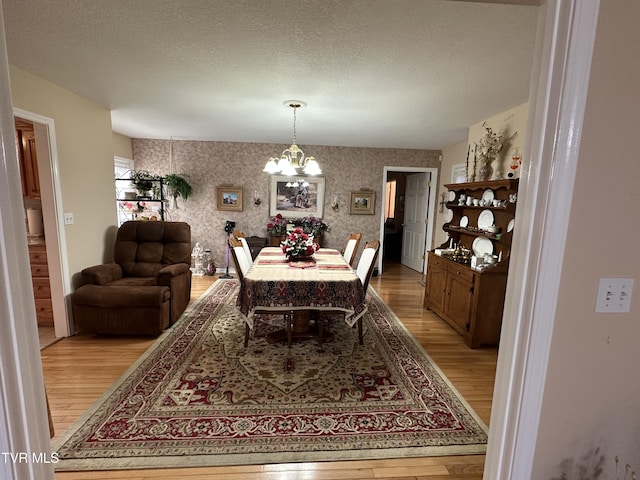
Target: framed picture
[
  {"x": 362, "y": 202},
  {"x": 229, "y": 198},
  {"x": 295, "y": 197}
]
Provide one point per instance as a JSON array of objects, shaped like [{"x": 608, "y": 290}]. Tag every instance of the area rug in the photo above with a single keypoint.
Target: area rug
[{"x": 198, "y": 397}]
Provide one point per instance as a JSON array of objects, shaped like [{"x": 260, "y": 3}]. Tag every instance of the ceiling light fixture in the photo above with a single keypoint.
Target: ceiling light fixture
[{"x": 293, "y": 157}]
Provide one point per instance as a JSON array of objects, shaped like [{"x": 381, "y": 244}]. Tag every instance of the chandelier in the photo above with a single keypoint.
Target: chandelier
[{"x": 293, "y": 158}]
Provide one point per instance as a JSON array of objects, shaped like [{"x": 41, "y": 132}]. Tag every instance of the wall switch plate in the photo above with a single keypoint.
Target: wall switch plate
[
  {"x": 614, "y": 295},
  {"x": 68, "y": 219}
]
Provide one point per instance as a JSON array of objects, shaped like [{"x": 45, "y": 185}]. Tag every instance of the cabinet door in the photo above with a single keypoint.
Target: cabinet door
[
  {"x": 459, "y": 301},
  {"x": 436, "y": 287},
  {"x": 28, "y": 164}
]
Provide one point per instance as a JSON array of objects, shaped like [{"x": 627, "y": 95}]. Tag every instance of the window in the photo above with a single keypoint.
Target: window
[{"x": 122, "y": 167}]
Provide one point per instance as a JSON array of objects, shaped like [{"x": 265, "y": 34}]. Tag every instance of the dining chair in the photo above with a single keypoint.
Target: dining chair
[
  {"x": 352, "y": 247},
  {"x": 245, "y": 245},
  {"x": 366, "y": 264},
  {"x": 239, "y": 257},
  {"x": 242, "y": 267}
]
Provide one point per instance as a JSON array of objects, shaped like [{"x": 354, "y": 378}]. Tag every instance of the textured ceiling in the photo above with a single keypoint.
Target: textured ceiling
[{"x": 377, "y": 73}]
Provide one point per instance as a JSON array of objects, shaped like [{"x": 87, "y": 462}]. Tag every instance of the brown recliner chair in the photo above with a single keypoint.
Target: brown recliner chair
[{"x": 147, "y": 287}]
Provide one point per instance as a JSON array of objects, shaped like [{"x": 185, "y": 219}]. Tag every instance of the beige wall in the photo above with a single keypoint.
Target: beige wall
[
  {"x": 209, "y": 164},
  {"x": 592, "y": 391},
  {"x": 513, "y": 123},
  {"x": 453, "y": 155},
  {"x": 85, "y": 158},
  {"x": 510, "y": 121},
  {"x": 122, "y": 146}
]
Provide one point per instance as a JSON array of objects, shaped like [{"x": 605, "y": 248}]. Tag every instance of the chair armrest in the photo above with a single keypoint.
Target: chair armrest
[
  {"x": 166, "y": 273},
  {"x": 102, "y": 274}
]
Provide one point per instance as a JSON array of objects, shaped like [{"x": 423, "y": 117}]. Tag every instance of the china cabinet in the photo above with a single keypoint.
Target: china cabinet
[{"x": 467, "y": 276}]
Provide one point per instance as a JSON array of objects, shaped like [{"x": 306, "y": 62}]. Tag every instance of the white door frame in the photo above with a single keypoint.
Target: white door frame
[
  {"x": 52, "y": 210},
  {"x": 432, "y": 206},
  {"x": 23, "y": 411},
  {"x": 560, "y": 77}
]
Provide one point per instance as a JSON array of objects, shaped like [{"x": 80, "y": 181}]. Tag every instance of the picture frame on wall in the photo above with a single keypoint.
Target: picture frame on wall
[
  {"x": 362, "y": 202},
  {"x": 229, "y": 198},
  {"x": 295, "y": 197}
]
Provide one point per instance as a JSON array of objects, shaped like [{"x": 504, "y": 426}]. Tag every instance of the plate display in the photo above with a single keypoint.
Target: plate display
[
  {"x": 464, "y": 221},
  {"x": 485, "y": 219},
  {"x": 482, "y": 246},
  {"x": 452, "y": 195},
  {"x": 488, "y": 196},
  {"x": 510, "y": 225}
]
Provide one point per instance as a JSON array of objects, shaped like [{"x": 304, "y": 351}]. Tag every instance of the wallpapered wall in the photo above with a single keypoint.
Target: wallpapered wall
[{"x": 210, "y": 164}]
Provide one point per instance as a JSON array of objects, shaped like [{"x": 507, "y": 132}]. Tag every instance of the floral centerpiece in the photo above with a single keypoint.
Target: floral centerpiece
[
  {"x": 488, "y": 148},
  {"x": 277, "y": 225},
  {"x": 314, "y": 226},
  {"x": 299, "y": 245}
]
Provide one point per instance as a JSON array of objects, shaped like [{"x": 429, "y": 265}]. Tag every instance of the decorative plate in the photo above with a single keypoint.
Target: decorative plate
[
  {"x": 485, "y": 219},
  {"x": 452, "y": 195},
  {"x": 487, "y": 196},
  {"x": 510, "y": 225},
  {"x": 464, "y": 221},
  {"x": 448, "y": 215},
  {"x": 482, "y": 246}
]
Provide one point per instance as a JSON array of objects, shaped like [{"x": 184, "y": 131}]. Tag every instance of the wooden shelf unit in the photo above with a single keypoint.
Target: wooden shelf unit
[{"x": 472, "y": 301}]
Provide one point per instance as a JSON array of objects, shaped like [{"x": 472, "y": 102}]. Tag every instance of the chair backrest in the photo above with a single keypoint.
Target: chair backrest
[
  {"x": 352, "y": 247},
  {"x": 143, "y": 248},
  {"x": 239, "y": 257},
  {"x": 367, "y": 262},
  {"x": 247, "y": 250}
]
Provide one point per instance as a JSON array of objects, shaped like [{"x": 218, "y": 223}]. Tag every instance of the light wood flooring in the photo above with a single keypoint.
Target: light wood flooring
[{"x": 78, "y": 370}]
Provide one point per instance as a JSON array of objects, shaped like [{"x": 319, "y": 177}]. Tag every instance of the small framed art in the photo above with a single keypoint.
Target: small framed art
[
  {"x": 229, "y": 198},
  {"x": 362, "y": 202}
]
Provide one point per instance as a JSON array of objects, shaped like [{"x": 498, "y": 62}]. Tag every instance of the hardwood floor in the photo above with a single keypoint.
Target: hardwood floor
[{"x": 78, "y": 370}]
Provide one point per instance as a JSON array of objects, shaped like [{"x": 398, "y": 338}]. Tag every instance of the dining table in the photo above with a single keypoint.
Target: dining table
[{"x": 326, "y": 282}]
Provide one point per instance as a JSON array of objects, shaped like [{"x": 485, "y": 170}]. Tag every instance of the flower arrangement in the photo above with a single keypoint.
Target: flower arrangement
[
  {"x": 314, "y": 226},
  {"x": 299, "y": 244},
  {"x": 277, "y": 225},
  {"x": 490, "y": 144}
]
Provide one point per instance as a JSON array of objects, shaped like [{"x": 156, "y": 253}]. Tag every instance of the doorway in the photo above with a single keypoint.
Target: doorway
[
  {"x": 406, "y": 231},
  {"x": 54, "y": 235}
]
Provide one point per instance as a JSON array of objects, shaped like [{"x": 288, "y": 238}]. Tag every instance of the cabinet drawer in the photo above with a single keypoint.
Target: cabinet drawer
[
  {"x": 41, "y": 288},
  {"x": 436, "y": 260},
  {"x": 44, "y": 312},
  {"x": 38, "y": 255},
  {"x": 40, "y": 270},
  {"x": 461, "y": 272}
]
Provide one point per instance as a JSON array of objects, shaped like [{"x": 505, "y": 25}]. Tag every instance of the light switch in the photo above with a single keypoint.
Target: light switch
[
  {"x": 68, "y": 219},
  {"x": 614, "y": 295}
]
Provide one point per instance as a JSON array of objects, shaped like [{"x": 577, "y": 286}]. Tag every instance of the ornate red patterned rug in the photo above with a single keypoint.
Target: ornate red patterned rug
[{"x": 197, "y": 397}]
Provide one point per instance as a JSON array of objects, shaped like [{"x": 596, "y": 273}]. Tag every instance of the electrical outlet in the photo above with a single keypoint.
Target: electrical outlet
[
  {"x": 614, "y": 295},
  {"x": 68, "y": 219}
]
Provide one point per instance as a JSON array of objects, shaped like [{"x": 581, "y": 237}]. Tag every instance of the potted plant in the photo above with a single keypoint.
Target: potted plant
[
  {"x": 178, "y": 187},
  {"x": 142, "y": 181},
  {"x": 276, "y": 228}
]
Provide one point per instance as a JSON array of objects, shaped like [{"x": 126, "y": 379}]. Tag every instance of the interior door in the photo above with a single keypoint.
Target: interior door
[{"x": 415, "y": 221}]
